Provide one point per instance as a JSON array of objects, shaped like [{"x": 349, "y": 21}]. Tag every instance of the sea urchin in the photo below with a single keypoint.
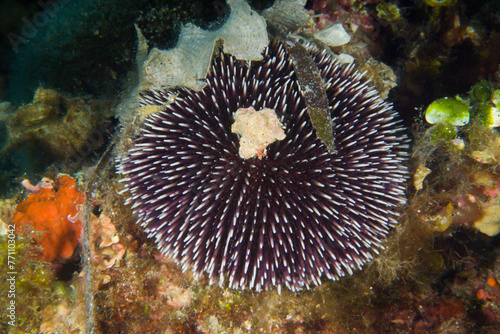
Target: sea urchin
[{"x": 283, "y": 219}]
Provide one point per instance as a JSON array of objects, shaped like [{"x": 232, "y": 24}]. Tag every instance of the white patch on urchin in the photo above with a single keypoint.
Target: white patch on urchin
[{"x": 258, "y": 129}]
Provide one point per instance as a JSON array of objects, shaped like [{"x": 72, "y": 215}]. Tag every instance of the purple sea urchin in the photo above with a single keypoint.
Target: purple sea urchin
[{"x": 287, "y": 219}]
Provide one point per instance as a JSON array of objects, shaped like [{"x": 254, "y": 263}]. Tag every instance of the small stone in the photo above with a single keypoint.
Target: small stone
[
  {"x": 484, "y": 157},
  {"x": 345, "y": 58},
  {"x": 443, "y": 219},
  {"x": 420, "y": 174},
  {"x": 459, "y": 143},
  {"x": 334, "y": 35},
  {"x": 489, "y": 224}
]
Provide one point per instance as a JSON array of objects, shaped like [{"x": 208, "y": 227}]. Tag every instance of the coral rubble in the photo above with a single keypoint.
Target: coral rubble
[{"x": 62, "y": 126}]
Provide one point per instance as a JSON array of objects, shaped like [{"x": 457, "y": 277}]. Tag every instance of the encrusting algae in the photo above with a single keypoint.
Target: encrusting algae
[{"x": 52, "y": 218}]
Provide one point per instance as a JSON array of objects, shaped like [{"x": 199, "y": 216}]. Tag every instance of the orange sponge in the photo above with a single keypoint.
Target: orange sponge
[{"x": 51, "y": 216}]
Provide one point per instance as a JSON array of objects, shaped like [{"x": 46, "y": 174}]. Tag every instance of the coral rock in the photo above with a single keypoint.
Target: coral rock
[
  {"x": 51, "y": 218},
  {"x": 62, "y": 126}
]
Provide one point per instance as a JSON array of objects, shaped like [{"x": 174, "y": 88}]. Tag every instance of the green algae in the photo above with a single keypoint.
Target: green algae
[
  {"x": 32, "y": 285},
  {"x": 388, "y": 12},
  {"x": 487, "y": 114},
  {"x": 439, "y": 3},
  {"x": 447, "y": 111},
  {"x": 442, "y": 132},
  {"x": 481, "y": 92},
  {"x": 481, "y": 104}
]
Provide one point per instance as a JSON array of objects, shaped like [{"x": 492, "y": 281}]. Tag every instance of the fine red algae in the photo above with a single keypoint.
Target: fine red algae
[{"x": 51, "y": 218}]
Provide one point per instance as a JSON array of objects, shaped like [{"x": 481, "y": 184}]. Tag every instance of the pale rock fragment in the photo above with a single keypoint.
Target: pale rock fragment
[
  {"x": 286, "y": 16},
  {"x": 459, "y": 143},
  {"x": 345, "y": 58},
  {"x": 484, "y": 156},
  {"x": 420, "y": 174},
  {"x": 333, "y": 36},
  {"x": 489, "y": 223}
]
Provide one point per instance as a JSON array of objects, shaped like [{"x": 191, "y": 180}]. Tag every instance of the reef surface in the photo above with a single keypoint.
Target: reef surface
[{"x": 75, "y": 259}]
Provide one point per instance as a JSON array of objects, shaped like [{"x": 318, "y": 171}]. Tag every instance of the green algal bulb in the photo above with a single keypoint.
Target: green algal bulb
[
  {"x": 481, "y": 92},
  {"x": 447, "y": 111}
]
